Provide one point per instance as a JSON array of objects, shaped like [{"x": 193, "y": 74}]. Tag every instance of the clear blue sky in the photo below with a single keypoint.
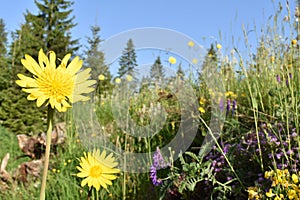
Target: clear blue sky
[{"x": 197, "y": 19}]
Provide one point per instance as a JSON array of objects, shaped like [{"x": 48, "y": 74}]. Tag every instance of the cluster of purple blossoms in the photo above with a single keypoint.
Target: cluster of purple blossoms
[
  {"x": 220, "y": 167},
  {"x": 218, "y": 160},
  {"x": 278, "y": 147},
  {"x": 158, "y": 163}
]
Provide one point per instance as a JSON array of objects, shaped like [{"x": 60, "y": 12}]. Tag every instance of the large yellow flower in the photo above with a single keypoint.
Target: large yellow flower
[
  {"x": 97, "y": 169},
  {"x": 58, "y": 86}
]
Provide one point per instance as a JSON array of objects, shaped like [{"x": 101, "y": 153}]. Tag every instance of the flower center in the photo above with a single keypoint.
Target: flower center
[
  {"x": 95, "y": 171},
  {"x": 56, "y": 83}
]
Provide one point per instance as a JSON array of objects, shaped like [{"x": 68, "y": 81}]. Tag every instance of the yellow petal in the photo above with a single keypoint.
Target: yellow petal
[
  {"x": 65, "y": 104},
  {"x": 26, "y": 81},
  {"x": 103, "y": 182},
  {"x": 43, "y": 60},
  {"x": 35, "y": 91},
  {"x": 31, "y": 97},
  {"x": 41, "y": 100},
  {"x": 65, "y": 60},
  {"x": 84, "y": 87},
  {"x": 57, "y": 106},
  {"x": 109, "y": 177},
  {"x": 103, "y": 154},
  {"x": 31, "y": 65},
  {"x": 84, "y": 181},
  {"x": 23, "y": 83},
  {"x": 74, "y": 66},
  {"x": 96, "y": 184},
  {"x": 82, "y": 174},
  {"x": 77, "y": 97},
  {"x": 52, "y": 102},
  {"x": 83, "y": 76},
  {"x": 52, "y": 59}
]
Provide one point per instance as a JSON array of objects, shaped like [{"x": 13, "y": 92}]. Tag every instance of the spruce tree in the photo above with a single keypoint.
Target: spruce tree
[
  {"x": 210, "y": 63},
  {"x": 128, "y": 61},
  {"x": 95, "y": 60},
  {"x": 14, "y": 112},
  {"x": 52, "y": 26},
  {"x": 180, "y": 73},
  {"x": 4, "y": 70},
  {"x": 156, "y": 71},
  {"x": 3, "y": 39}
]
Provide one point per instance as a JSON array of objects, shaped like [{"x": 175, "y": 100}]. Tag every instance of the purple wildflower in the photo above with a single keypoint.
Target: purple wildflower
[
  {"x": 294, "y": 134},
  {"x": 290, "y": 152},
  {"x": 158, "y": 163},
  {"x": 158, "y": 160},
  {"x": 153, "y": 176},
  {"x": 228, "y": 106},
  {"x": 278, "y": 78},
  {"x": 233, "y": 107}
]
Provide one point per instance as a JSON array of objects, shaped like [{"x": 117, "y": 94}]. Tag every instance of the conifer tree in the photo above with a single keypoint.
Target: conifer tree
[
  {"x": 4, "y": 70},
  {"x": 52, "y": 26},
  {"x": 180, "y": 73},
  {"x": 3, "y": 39},
  {"x": 95, "y": 60},
  {"x": 156, "y": 71},
  {"x": 128, "y": 61},
  {"x": 210, "y": 63}
]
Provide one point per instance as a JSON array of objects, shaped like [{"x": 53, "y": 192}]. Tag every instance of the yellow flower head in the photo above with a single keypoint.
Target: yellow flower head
[
  {"x": 219, "y": 46},
  {"x": 57, "y": 86},
  {"x": 194, "y": 61},
  {"x": 272, "y": 58},
  {"x": 295, "y": 178},
  {"x": 269, "y": 174},
  {"x": 270, "y": 193},
  {"x": 97, "y": 169},
  {"x": 201, "y": 110},
  {"x": 294, "y": 42},
  {"x": 118, "y": 80},
  {"x": 101, "y": 77},
  {"x": 172, "y": 60},
  {"x": 191, "y": 44},
  {"x": 252, "y": 193},
  {"x": 229, "y": 93},
  {"x": 280, "y": 197},
  {"x": 129, "y": 78},
  {"x": 202, "y": 101},
  {"x": 292, "y": 194}
]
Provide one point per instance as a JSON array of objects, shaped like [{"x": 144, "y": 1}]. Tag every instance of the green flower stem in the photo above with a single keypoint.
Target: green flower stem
[
  {"x": 89, "y": 194},
  {"x": 47, "y": 153},
  {"x": 124, "y": 180}
]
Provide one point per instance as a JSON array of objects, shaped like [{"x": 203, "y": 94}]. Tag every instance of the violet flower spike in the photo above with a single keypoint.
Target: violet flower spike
[
  {"x": 158, "y": 160},
  {"x": 233, "y": 107},
  {"x": 278, "y": 78},
  {"x": 228, "y": 106},
  {"x": 158, "y": 163},
  {"x": 153, "y": 176}
]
